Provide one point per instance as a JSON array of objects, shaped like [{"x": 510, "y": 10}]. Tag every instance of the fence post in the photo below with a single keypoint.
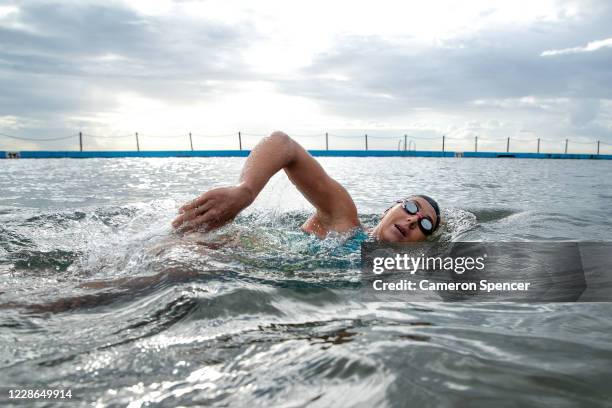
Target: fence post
[
  {"x": 240, "y": 140},
  {"x": 137, "y": 142},
  {"x": 443, "y": 140},
  {"x": 405, "y": 142},
  {"x": 538, "y": 145},
  {"x": 508, "y": 145},
  {"x": 81, "y": 141},
  {"x": 598, "y": 147},
  {"x": 475, "y": 143},
  {"x": 366, "y": 141},
  {"x": 565, "y": 146},
  {"x": 326, "y": 141},
  {"x": 190, "y": 141}
]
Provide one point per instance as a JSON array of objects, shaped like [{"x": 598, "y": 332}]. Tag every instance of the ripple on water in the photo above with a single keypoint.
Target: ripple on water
[{"x": 100, "y": 295}]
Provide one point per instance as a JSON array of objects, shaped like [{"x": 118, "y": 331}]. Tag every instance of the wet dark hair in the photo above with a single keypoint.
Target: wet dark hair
[{"x": 435, "y": 206}]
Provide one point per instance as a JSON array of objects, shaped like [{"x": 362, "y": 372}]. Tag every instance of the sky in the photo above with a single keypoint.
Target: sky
[{"x": 487, "y": 69}]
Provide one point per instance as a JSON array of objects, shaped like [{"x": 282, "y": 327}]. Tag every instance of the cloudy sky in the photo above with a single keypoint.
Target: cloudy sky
[{"x": 492, "y": 69}]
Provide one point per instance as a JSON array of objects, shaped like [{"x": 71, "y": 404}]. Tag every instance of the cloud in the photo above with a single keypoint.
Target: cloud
[
  {"x": 63, "y": 58},
  {"x": 495, "y": 73},
  {"x": 116, "y": 66},
  {"x": 388, "y": 78},
  {"x": 584, "y": 111},
  {"x": 590, "y": 47}
]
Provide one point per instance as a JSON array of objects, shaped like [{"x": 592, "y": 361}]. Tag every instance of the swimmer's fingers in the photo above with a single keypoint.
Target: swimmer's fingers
[
  {"x": 208, "y": 221},
  {"x": 193, "y": 204},
  {"x": 213, "y": 209},
  {"x": 189, "y": 216}
]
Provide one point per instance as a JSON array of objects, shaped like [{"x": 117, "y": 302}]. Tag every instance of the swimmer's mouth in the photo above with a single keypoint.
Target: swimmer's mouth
[{"x": 400, "y": 229}]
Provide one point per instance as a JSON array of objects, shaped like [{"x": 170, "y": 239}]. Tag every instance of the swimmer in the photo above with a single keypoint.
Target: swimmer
[{"x": 411, "y": 219}]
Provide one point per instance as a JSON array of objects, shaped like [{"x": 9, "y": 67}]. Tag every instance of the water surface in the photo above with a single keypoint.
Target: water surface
[{"x": 100, "y": 296}]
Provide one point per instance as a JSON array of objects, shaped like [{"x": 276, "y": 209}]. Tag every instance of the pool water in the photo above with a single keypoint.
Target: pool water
[{"x": 98, "y": 295}]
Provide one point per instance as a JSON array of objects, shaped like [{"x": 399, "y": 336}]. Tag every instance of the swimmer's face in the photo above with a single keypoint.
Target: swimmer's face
[{"x": 399, "y": 226}]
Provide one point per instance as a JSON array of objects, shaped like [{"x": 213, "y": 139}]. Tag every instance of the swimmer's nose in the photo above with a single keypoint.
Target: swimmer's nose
[
  {"x": 413, "y": 220},
  {"x": 416, "y": 218}
]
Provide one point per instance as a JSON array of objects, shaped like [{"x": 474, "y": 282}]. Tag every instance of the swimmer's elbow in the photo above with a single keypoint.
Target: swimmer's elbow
[
  {"x": 282, "y": 140},
  {"x": 284, "y": 145},
  {"x": 280, "y": 137}
]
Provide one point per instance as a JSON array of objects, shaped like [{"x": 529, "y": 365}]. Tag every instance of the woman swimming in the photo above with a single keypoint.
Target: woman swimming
[{"x": 408, "y": 220}]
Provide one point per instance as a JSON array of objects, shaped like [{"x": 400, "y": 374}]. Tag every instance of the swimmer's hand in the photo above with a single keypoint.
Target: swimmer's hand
[{"x": 214, "y": 208}]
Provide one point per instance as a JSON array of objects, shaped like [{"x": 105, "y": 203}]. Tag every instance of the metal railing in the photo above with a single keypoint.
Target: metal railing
[{"x": 406, "y": 143}]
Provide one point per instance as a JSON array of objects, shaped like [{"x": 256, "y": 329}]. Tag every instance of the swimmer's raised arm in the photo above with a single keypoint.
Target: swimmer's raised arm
[{"x": 335, "y": 210}]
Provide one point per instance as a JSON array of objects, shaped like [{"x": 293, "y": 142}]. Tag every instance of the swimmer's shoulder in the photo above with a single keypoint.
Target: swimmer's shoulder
[{"x": 321, "y": 227}]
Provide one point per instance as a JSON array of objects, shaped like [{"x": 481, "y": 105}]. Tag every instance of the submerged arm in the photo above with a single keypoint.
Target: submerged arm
[{"x": 335, "y": 208}]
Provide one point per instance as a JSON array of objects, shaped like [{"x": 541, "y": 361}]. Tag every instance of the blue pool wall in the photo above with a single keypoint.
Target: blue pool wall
[{"x": 41, "y": 154}]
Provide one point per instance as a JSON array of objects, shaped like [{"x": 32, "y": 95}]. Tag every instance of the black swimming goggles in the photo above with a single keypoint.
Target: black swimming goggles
[{"x": 426, "y": 224}]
